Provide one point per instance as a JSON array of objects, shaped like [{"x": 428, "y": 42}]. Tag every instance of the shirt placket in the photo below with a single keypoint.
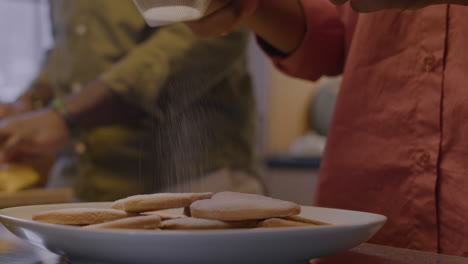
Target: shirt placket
[
  {"x": 431, "y": 49},
  {"x": 74, "y": 22}
]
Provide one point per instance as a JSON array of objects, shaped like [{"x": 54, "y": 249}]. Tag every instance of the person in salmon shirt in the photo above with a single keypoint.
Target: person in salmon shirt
[{"x": 398, "y": 142}]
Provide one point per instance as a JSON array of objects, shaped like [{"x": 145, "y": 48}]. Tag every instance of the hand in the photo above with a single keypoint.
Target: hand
[
  {"x": 36, "y": 97},
  {"x": 375, "y": 5},
  {"x": 281, "y": 23},
  {"x": 223, "y": 16},
  {"x": 23, "y": 105},
  {"x": 32, "y": 135}
]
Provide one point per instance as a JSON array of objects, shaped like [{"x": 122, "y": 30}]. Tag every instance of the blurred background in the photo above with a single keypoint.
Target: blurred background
[
  {"x": 26, "y": 35},
  {"x": 292, "y": 115}
]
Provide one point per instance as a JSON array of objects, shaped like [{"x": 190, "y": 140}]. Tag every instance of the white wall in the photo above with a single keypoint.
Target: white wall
[
  {"x": 282, "y": 104},
  {"x": 24, "y": 34}
]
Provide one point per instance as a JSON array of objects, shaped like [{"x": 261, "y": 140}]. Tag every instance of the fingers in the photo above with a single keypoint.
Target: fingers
[
  {"x": 216, "y": 5},
  {"x": 217, "y": 23},
  {"x": 4, "y": 111},
  {"x": 12, "y": 109},
  {"x": 223, "y": 17},
  {"x": 32, "y": 135},
  {"x": 8, "y": 147},
  {"x": 17, "y": 155},
  {"x": 16, "y": 149},
  {"x": 10, "y": 141}
]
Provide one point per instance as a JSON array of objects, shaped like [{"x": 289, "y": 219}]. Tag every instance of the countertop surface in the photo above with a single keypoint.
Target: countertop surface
[{"x": 15, "y": 251}]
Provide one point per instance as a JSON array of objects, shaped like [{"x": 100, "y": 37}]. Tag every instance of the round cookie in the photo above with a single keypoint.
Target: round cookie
[
  {"x": 238, "y": 195},
  {"x": 158, "y": 201},
  {"x": 191, "y": 223},
  {"x": 277, "y": 222},
  {"x": 146, "y": 222},
  {"x": 79, "y": 216},
  {"x": 165, "y": 215},
  {"x": 243, "y": 209},
  {"x": 300, "y": 219}
]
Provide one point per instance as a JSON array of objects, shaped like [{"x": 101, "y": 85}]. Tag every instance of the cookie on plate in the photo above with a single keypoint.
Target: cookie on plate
[
  {"x": 165, "y": 215},
  {"x": 238, "y": 195},
  {"x": 191, "y": 223},
  {"x": 278, "y": 222},
  {"x": 147, "y": 222},
  {"x": 158, "y": 201},
  {"x": 79, "y": 216},
  {"x": 300, "y": 219},
  {"x": 238, "y": 209}
]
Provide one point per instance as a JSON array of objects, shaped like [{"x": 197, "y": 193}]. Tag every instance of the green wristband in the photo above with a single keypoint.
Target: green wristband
[{"x": 59, "y": 106}]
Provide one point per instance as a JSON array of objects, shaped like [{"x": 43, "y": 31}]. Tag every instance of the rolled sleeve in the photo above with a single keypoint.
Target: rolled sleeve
[{"x": 322, "y": 50}]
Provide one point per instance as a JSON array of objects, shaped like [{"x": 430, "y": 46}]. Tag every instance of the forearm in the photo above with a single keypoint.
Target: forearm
[
  {"x": 279, "y": 22},
  {"x": 37, "y": 96},
  {"x": 98, "y": 105}
]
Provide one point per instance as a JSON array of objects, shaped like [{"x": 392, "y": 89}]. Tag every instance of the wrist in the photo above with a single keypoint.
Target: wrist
[{"x": 58, "y": 105}]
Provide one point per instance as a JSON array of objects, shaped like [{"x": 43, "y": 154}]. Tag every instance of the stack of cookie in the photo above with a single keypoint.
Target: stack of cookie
[{"x": 201, "y": 211}]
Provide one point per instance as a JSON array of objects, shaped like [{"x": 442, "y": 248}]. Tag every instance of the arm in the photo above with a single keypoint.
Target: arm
[
  {"x": 304, "y": 38},
  {"x": 322, "y": 49},
  {"x": 270, "y": 19},
  {"x": 98, "y": 105},
  {"x": 171, "y": 58},
  {"x": 38, "y": 133}
]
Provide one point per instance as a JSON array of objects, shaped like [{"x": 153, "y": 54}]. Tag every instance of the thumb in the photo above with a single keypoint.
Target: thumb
[{"x": 215, "y": 6}]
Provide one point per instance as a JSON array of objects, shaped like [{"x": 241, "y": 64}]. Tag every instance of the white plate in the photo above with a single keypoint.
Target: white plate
[{"x": 277, "y": 245}]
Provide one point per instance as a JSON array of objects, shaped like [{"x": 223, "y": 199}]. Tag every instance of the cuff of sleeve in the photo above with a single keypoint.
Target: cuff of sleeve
[
  {"x": 323, "y": 41},
  {"x": 59, "y": 106}
]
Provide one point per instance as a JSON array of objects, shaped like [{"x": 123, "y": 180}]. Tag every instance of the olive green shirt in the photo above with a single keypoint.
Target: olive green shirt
[{"x": 196, "y": 94}]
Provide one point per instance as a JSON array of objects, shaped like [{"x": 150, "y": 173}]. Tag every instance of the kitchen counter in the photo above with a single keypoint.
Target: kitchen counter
[{"x": 15, "y": 251}]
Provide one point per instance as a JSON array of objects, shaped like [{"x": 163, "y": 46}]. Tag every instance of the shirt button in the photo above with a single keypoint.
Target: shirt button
[
  {"x": 80, "y": 148},
  {"x": 424, "y": 159},
  {"x": 76, "y": 88},
  {"x": 81, "y": 30},
  {"x": 429, "y": 63}
]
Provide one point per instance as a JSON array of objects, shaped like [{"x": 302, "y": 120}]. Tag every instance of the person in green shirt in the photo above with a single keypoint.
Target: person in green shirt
[{"x": 141, "y": 109}]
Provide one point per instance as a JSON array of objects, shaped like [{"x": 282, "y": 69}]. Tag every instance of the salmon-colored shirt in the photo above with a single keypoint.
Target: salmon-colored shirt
[{"x": 398, "y": 143}]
